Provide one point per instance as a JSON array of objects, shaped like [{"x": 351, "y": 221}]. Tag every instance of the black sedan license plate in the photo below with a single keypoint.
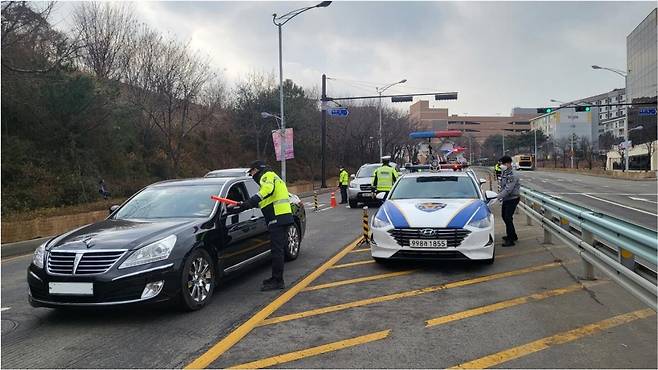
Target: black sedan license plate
[{"x": 424, "y": 243}]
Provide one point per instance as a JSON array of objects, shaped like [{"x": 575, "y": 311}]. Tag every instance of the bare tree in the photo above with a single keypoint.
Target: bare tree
[
  {"x": 29, "y": 43},
  {"x": 105, "y": 31},
  {"x": 174, "y": 87}
]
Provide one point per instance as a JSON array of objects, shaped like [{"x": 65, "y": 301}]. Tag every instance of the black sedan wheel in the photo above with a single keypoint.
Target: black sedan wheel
[
  {"x": 198, "y": 280},
  {"x": 294, "y": 241}
]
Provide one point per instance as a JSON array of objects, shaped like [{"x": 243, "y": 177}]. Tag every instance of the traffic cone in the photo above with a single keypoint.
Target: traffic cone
[{"x": 333, "y": 199}]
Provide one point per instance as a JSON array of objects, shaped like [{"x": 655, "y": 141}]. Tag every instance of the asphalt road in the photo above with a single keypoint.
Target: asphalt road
[
  {"x": 341, "y": 310},
  {"x": 632, "y": 201}
]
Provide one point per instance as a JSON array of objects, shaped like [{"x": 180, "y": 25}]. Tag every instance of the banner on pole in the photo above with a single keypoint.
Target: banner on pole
[{"x": 289, "y": 150}]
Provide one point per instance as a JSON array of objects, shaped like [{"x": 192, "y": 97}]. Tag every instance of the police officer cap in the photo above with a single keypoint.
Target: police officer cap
[
  {"x": 386, "y": 158},
  {"x": 258, "y": 164}
]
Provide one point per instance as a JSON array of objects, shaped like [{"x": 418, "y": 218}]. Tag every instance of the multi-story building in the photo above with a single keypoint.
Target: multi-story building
[
  {"x": 610, "y": 118},
  {"x": 641, "y": 84},
  {"x": 565, "y": 123},
  {"x": 478, "y": 127}
]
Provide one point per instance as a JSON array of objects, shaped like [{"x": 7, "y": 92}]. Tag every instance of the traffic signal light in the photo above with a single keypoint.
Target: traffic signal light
[
  {"x": 446, "y": 96},
  {"x": 544, "y": 110},
  {"x": 583, "y": 109},
  {"x": 400, "y": 99}
]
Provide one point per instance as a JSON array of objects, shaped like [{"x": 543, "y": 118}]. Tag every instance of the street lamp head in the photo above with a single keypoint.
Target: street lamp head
[
  {"x": 596, "y": 67},
  {"x": 323, "y": 4},
  {"x": 403, "y": 81}
]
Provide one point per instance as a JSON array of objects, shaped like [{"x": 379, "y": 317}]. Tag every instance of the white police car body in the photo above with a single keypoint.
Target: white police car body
[{"x": 435, "y": 215}]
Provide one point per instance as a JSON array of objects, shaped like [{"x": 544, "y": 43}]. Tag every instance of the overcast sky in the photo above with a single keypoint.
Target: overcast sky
[{"x": 497, "y": 55}]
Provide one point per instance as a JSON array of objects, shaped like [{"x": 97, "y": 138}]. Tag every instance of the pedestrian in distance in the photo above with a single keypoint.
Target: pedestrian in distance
[
  {"x": 273, "y": 201},
  {"x": 384, "y": 176},
  {"x": 343, "y": 182},
  {"x": 509, "y": 197},
  {"x": 102, "y": 189}
]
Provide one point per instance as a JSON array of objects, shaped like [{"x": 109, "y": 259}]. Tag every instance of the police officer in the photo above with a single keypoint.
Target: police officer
[
  {"x": 497, "y": 170},
  {"x": 385, "y": 176},
  {"x": 272, "y": 199},
  {"x": 509, "y": 196},
  {"x": 343, "y": 182}
]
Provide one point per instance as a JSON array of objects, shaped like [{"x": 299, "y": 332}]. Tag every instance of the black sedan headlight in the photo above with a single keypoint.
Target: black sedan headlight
[
  {"x": 39, "y": 254},
  {"x": 153, "y": 252}
]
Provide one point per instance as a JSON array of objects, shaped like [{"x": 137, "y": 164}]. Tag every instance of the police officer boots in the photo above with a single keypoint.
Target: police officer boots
[{"x": 272, "y": 284}]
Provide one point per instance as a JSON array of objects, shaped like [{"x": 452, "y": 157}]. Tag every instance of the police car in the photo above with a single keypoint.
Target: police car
[{"x": 434, "y": 215}]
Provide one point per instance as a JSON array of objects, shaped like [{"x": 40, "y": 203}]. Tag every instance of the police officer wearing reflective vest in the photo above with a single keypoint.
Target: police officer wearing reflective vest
[
  {"x": 384, "y": 176},
  {"x": 272, "y": 199},
  {"x": 343, "y": 182}
]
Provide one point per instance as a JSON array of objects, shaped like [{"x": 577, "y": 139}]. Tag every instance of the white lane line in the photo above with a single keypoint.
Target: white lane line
[
  {"x": 644, "y": 200},
  {"x": 4, "y": 309},
  {"x": 620, "y": 205},
  {"x": 324, "y": 209}
]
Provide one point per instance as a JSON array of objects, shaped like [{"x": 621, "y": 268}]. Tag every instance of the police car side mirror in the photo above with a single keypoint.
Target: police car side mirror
[
  {"x": 381, "y": 195},
  {"x": 490, "y": 195},
  {"x": 113, "y": 208},
  {"x": 352, "y": 176},
  {"x": 482, "y": 181}
]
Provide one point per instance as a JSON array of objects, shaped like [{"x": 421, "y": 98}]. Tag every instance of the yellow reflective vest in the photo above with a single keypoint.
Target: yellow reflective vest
[
  {"x": 343, "y": 178},
  {"x": 274, "y": 199},
  {"x": 384, "y": 179}
]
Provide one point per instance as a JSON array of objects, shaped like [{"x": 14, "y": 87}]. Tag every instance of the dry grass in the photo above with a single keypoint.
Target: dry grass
[{"x": 61, "y": 211}]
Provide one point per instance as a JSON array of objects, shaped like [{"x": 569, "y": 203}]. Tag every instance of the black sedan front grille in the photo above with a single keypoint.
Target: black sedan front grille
[
  {"x": 90, "y": 262},
  {"x": 366, "y": 187},
  {"x": 454, "y": 237}
]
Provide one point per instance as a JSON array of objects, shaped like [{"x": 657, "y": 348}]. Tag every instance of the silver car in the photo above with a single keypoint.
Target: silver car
[{"x": 360, "y": 189}]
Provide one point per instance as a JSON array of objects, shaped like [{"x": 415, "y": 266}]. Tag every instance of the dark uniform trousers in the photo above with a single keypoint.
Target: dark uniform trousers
[
  {"x": 343, "y": 193},
  {"x": 508, "y": 207},
  {"x": 278, "y": 242}
]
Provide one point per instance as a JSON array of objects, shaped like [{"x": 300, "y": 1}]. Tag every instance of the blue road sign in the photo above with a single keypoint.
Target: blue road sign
[
  {"x": 647, "y": 111},
  {"x": 338, "y": 112}
]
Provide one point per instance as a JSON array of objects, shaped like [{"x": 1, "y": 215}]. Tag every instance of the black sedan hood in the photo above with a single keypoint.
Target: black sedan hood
[{"x": 120, "y": 234}]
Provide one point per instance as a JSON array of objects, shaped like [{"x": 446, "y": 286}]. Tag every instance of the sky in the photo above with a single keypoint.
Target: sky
[{"x": 497, "y": 55}]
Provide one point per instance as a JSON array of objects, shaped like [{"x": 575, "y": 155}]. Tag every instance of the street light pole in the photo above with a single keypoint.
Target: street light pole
[
  {"x": 279, "y": 21},
  {"x": 625, "y": 76},
  {"x": 282, "y": 132},
  {"x": 380, "y": 91}
]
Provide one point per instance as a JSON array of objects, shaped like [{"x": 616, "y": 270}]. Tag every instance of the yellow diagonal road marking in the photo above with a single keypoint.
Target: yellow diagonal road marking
[
  {"x": 560, "y": 338},
  {"x": 501, "y": 305},
  {"x": 236, "y": 335},
  {"x": 360, "y": 250},
  {"x": 313, "y": 351},
  {"x": 358, "y": 263},
  {"x": 358, "y": 280},
  {"x": 407, "y": 294}
]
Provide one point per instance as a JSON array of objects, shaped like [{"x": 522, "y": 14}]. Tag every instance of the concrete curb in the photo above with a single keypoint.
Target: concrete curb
[
  {"x": 595, "y": 174},
  {"x": 21, "y": 248}
]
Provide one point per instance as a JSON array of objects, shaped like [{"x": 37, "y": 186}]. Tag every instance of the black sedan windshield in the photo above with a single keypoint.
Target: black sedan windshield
[
  {"x": 170, "y": 202},
  {"x": 434, "y": 187}
]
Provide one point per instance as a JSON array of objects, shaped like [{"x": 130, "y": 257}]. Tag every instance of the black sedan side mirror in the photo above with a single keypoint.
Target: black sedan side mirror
[{"x": 113, "y": 208}]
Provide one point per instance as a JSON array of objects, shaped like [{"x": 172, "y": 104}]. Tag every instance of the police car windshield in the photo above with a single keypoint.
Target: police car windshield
[{"x": 435, "y": 187}]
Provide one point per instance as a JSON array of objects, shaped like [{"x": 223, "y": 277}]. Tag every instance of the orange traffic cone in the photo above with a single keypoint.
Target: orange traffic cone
[{"x": 333, "y": 199}]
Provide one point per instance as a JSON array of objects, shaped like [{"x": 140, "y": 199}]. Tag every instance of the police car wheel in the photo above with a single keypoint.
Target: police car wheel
[
  {"x": 294, "y": 242},
  {"x": 354, "y": 204}
]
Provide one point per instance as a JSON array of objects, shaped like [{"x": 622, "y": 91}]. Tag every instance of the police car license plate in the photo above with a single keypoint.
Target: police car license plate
[{"x": 424, "y": 243}]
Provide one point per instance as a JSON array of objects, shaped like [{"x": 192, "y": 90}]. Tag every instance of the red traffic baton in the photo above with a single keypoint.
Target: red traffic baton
[{"x": 224, "y": 200}]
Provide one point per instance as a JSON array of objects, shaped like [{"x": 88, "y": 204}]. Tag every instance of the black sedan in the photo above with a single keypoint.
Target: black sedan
[{"x": 169, "y": 241}]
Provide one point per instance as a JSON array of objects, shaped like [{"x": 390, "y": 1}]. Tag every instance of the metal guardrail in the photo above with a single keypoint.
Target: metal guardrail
[{"x": 635, "y": 247}]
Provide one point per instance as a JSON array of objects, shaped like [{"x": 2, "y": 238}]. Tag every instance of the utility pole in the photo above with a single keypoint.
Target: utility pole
[
  {"x": 283, "y": 119},
  {"x": 324, "y": 129}
]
